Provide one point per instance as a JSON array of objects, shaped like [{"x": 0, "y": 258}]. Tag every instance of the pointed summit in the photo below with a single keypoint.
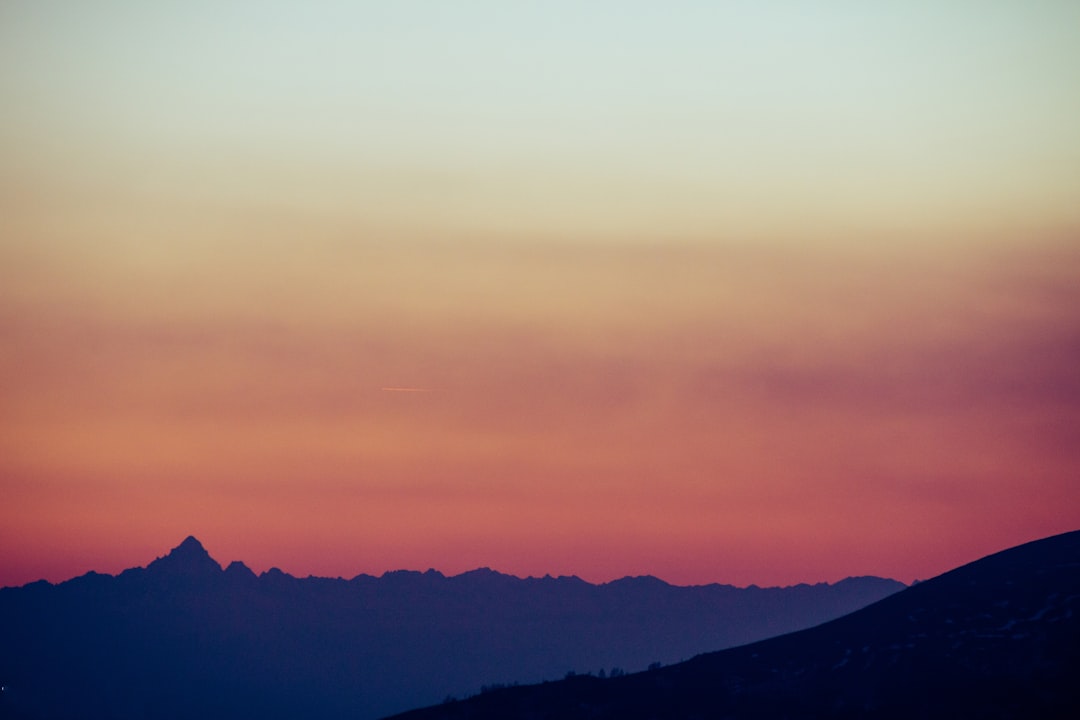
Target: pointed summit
[
  {"x": 191, "y": 544},
  {"x": 188, "y": 559}
]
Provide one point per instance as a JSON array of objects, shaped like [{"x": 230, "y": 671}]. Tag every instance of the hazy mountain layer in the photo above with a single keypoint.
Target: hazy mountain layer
[{"x": 185, "y": 638}]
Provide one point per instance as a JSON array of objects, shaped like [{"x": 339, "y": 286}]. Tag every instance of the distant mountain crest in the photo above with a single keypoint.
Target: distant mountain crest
[
  {"x": 182, "y": 638},
  {"x": 188, "y": 559},
  {"x": 237, "y": 569}
]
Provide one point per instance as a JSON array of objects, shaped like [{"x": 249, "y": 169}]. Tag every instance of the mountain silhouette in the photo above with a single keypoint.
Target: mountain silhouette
[
  {"x": 998, "y": 638},
  {"x": 185, "y": 638},
  {"x": 189, "y": 559}
]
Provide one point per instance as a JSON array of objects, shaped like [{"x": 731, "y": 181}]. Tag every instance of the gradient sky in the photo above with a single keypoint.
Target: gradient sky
[{"x": 761, "y": 292}]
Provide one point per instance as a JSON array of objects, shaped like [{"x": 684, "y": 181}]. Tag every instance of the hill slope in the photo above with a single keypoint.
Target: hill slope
[
  {"x": 184, "y": 638},
  {"x": 998, "y": 638}
]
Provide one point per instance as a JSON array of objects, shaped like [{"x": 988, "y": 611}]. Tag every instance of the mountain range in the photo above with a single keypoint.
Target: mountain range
[
  {"x": 183, "y": 637},
  {"x": 998, "y": 638}
]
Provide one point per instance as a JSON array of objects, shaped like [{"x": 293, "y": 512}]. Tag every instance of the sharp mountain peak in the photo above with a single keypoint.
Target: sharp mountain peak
[
  {"x": 187, "y": 558},
  {"x": 190, "y": 544}
]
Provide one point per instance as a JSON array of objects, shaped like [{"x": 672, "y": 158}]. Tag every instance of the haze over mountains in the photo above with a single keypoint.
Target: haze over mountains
[
  {"x": 997, "y": 638},
  {"x": 183, "y": 637}
]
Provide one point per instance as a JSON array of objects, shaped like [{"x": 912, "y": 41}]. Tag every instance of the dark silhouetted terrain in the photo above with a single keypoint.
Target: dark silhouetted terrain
[
  {"x": 999, "y": 638},
  {"x": 183, "y": 638}
]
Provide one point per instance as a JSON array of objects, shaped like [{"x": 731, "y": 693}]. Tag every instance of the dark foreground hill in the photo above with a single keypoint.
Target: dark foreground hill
[
  {"x": 183, "y": 638},
  {"x": 999, "y": 638}
]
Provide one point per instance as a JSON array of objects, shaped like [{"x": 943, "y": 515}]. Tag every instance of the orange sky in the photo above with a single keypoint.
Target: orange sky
[{"x": 758, "y": 333}]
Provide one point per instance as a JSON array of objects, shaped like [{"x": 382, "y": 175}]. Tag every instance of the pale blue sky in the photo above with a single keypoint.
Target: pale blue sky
[{"x": 717, "y": 113}]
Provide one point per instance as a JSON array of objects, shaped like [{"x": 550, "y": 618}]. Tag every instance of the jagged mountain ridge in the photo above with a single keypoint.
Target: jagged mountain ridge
[
  {"x": 997, "y": 638},
  {"x": 183, "y": 637}
]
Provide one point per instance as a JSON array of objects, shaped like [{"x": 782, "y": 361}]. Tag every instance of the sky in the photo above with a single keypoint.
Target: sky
[{"x": 762, "y": 292}]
